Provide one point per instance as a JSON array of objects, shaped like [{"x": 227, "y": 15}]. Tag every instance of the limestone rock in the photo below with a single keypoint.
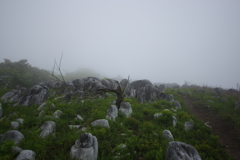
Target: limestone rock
[
  {"x": 177, "y": 105},
  {"x": 26, "y": 154},
  {"x": 36, "y": 95},
  {"x": 85, "y": 148},
  {"x": 112, "y": 112},
  {"x": 126, "y": 108},
  {"x": 14, "y": 135},
  {"x": 188, "y": 125},
  {"x": 79, "y": 117},
  {"x": 174, "y": 120},
  {"x": 57, "y": 114},
  {"x": 100, "y": 122},
  {"x": 181, "y": 151},
  {"x": 14, "y": 125},
  {"x": 12, "y": 96},
  {"x": 156, "y": 115},
  {"x": 47, "y": 128},
  {"x": 20, "y": 120},
  {"x": 168, "y": 135}
]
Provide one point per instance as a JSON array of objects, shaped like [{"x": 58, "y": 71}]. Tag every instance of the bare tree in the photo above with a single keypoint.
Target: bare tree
[{"x": 90, "y": 94}]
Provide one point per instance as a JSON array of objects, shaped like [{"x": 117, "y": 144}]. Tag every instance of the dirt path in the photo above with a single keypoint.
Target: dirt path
[{"x": 229, "y": 137}]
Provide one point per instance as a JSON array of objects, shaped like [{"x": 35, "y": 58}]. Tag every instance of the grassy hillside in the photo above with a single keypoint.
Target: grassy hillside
[{"x": 141, "y": 133}]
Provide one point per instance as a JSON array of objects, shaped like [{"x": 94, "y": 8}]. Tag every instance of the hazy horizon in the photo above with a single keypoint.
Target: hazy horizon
[{"x": 162, "y": 41}]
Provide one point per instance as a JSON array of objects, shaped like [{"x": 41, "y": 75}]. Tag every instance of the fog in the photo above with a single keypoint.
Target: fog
[{"x": 162, "y": 41}]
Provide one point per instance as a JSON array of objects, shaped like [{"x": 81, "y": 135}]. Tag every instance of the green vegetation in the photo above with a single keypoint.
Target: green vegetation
[
  {"x": 141, "y": 133},
  {"x": 21, "y": 73}
]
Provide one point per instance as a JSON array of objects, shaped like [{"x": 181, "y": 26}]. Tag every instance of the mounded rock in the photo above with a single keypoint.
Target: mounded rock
[
  {"x": 14, "y": 135},
  {"x": 36, "y": 95},
  {"x": 14, "y": 125},
  {"x": 57, "y": 114},
  {"x": 237, "y": 105},
  {"x": 26, "y": 154},
  {"x": 12, "y": 96},
  {"x": 188, "y": 125},
  {"x": 126, "y": 108},
  {"x": 168, "y": 135},
  {"x": 16, "y": 149},
  {"x": 181, "y": 151},
  {"x": 177, "y": 105},
  {"x": 41, "y": 114},
  {"x": 169, "y": 98},
  {"x": 100, "y": 122},
  {"x": 42, "y": 106},
  {"x": 85, "y": 148},
  {"x": 47, "y": 128},
  {"x": 20, "y": 120},
  {"x": 112, "y": 112}
]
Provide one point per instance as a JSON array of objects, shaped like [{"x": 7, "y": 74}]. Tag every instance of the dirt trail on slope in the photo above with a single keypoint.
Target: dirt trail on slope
[{"x": 229, "y": 137}]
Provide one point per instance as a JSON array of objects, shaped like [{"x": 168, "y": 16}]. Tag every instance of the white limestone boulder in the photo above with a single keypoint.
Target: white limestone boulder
[
  {"x": 47, "y": 128},
  {"x": 112, "y": 112},
  {"x": 26, "y": 155},
  {"x": 100, "y": 122}
]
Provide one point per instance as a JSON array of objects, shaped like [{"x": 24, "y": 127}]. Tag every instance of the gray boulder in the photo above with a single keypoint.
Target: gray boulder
[
  {"x": 100, "y": 122},
  {"x": 14, "y": 135},
  {"x": 1, "y": 111},
  {"x": 156, "y": 115},
  {"x": 12, "y": 96},
  {"x": 177, "y": 105},
  {"x": 181, "y": 151},
  {"x": 112, "y": 112},
  {"x": 167, "y": 135},
  {"x": 20, "y": 120},
  {"x": 79, "y": 117},
  {"x": 26, "y": 155},
  {"x": 47, "y": 128},
  {"x": 57, "y": 114},
  {"x": 126, "y": 108},
  {"x": 188, "y": 125},
  {"x": 36, "y": 95},
  {"x": 14, "y": 125},
  {"x": 237, "y": 105},
  {"x": 85, "y": 148}
]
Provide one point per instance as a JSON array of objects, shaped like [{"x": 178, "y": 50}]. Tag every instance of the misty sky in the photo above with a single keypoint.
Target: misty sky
[{"x": 163, "y": 41}]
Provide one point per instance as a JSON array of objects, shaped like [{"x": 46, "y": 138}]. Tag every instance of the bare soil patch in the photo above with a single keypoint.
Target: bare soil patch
[{"x": 229, "y": 136}]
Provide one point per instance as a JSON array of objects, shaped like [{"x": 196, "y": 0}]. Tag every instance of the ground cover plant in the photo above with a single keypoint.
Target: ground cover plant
[{"x": 136, "y": 137}]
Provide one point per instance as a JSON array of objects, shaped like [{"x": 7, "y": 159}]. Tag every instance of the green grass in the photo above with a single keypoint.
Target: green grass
[{"x": 141, "y": 133}]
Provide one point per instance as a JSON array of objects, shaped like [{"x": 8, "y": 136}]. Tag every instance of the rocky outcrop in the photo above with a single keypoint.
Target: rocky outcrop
[
  {"x": 47, "y": 128},
  {"x": 12, "y": 96},
  {"x": 85, "y": 148},
  {"x": 167, "y": 135},
  {"x": 126, "y": 109},
  {"x": 112, "y": 112},
  {"x": 36, "y": 95},
  {"x": 181, "y": 151},
  {"x": 100, "y": 122},
  {"x": 177, "y": 105},
  {"x": 14, "y": 135},
  {"x": 26, "y": 154},
  {"x": 188, "y": 125}
]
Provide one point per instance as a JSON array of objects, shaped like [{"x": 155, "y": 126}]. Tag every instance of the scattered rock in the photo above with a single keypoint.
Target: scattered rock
[
  {"x": 85, "y": 148},
  {"x": 181, "y": 151},
  {"x": 177, "y": 105},
  {"x": 112, "y": 112},
  {"x": 20, "y": 120},
  {"x": 14, "y": 135},
  {"x": 100, "y": 122},
  {"x": 168, "y": 135},
  {"x": 47, "y": 128},
  {"x": 36, "y": 95},
  {"x": 156, "y": 115},
  {"x": 79, "y": 117},
  {"x": 57, "y": 114},
  {"x": 26, "y": 155},
  {"x": 14, "y": 125},
  {"x": 174, "y": 120},
  {"x": 188, "y": 125},
  {"x": 126, "y": 108}
]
